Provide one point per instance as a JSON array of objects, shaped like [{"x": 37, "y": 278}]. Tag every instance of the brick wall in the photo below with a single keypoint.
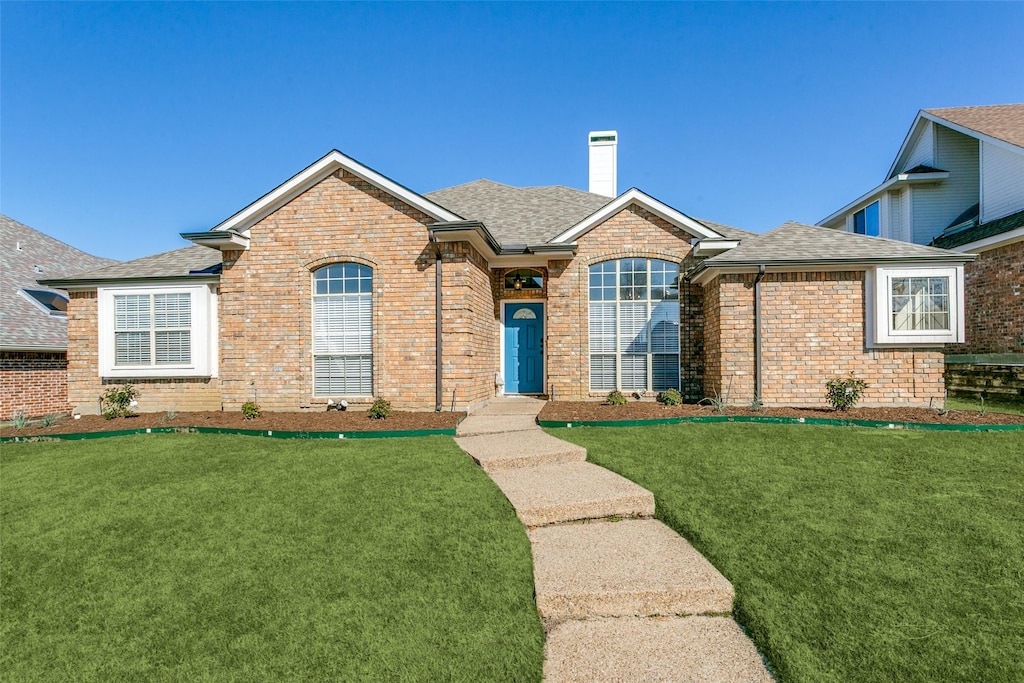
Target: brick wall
[
  {"x": 155, "y": 395},
  {"x": 994, "y": 302},
  {"x": 632, "y": 233},
  {"x": 470, "y": 343},
  {"x": 813, "y": 330},
  {"x": 34, "y": 383}
]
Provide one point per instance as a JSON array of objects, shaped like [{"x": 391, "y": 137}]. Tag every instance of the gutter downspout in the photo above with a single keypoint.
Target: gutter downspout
[
  {"x": 438, "y": 389},
  {"x": 757, "y": 333}
]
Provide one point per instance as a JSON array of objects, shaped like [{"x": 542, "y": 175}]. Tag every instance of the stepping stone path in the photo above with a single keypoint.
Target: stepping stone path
[{"x": 622, "y": 597}]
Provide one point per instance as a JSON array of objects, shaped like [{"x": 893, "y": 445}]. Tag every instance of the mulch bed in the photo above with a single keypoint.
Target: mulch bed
[
  {"x": 593, "y": 411},
  {"x": 320, "y": 421}
]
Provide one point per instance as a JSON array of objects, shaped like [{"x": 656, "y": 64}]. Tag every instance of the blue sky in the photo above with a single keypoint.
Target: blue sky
[{"x": 122, "y": 125}]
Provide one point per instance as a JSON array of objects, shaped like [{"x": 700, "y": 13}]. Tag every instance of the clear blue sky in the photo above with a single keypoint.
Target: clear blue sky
[{"x": 125, "y": 124}]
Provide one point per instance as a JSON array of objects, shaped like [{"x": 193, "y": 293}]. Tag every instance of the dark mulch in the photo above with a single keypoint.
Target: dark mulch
[
  {"x": 320, "y": 421},
  {"x": 586, "y": 411}
]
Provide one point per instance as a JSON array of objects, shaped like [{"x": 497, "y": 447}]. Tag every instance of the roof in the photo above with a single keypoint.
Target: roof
[
  {"x": 519, "y": 215},
  {"x": 795, "y": 243},
  {"x": 964, "y": 236},
  {"x": 23, "y": 324},
  {"x": 188, "y": 262},
  {"x": 1001, "y": 121}
]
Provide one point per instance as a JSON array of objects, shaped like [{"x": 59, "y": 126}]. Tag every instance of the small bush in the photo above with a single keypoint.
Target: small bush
[
  {"x": 19, "y": 419},
  {"x": 670, "y": 397},
  {"x": 49, "y": 419},
  {"x": 251, "y": 410},
  {"x": 757, "y": 405},
  {"x": 616, "y": 398},
  {"x": 717, "y": 403},
  {"x": 843, "y": 393},
  {"x": 380, "y": 410},
  {"x": 118, "y": 401}
]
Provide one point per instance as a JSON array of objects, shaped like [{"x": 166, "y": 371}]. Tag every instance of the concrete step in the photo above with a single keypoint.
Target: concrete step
[
  {"x": 685, "y": 649},
  {"x": 496, "y": 452},
  {"x": 552, "y": 494},
  {"x": 513, "y": 405},
  {"x": 627, "y": 568},
  {"x": 475, "y": 425}
]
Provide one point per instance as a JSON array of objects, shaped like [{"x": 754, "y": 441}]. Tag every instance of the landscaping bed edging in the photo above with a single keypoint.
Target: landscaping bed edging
[{"x": 765, "y": 419}]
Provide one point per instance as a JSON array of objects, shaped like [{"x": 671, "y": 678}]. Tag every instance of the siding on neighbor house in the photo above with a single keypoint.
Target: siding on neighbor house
[
  {"x": 812, "y": 330},
  {"x": 935, "y": 207},
  {"x": 632, "y": 233},
  {"x": 155, "y": 395},
  {"x": 922, "y": 149},
  {"x": 1002, "y": 182},
  {"x": 33, "y": 383}
]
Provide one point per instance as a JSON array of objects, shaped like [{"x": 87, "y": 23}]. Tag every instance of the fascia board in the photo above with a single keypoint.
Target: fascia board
[
  {"x": 218, "y": 239},
  {"x": 705, "y": 247},
  {"x": 970, "y": 132},
  {"x": 635, "y": 196},
  {"x": 992, "y": 242},
  {"x": 33, "y": 349},
  {"x": 906, "y": 142},
  {"x": 314, "y": 173},
  {"x": 706, "y": 271},
  {"x": 870, "y": 195},
  {"x": 87, "y": 285}
]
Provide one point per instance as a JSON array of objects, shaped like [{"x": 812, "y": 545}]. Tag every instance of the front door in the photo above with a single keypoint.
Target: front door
[{"x": 524, "y": 348}]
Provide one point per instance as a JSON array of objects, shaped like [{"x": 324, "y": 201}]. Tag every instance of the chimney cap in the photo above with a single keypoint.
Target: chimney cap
[{"x": 603, "y": 137}]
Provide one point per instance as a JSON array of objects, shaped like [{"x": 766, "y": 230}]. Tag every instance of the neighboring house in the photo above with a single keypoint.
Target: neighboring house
[
  {"x": 33, "y": 320},
  {"x": 958, "y": 183},
  {"x": 343, "y": 284}
]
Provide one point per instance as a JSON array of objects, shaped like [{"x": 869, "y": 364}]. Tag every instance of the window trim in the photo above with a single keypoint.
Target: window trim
[
  {"x": 202, "y": 333},
  {"x": 879, "y": 307}
]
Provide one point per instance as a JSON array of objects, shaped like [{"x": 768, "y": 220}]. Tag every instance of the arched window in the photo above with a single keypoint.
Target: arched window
[
  {"x": 343, "y": 330},
  {"x": 524, "y": 278},
  {"x": 634, "y": 325}
]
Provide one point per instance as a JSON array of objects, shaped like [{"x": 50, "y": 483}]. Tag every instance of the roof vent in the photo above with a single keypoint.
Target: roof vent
[{"x": 603, "y": 162}]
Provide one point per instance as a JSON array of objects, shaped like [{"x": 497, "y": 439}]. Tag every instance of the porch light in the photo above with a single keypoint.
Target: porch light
[{"x": 517, "y": 282}]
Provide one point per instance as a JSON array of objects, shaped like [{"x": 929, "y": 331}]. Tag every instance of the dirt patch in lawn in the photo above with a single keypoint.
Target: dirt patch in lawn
[
  {"x": 593, "y": 411},
  {"x": 320, "y": 421}
]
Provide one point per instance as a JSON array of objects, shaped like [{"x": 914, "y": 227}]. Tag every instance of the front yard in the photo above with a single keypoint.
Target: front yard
[
  {"x": 856, "y": 554},
  {"x": 198, "y": 557}
]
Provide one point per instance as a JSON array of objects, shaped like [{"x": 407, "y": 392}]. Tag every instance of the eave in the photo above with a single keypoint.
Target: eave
[
  {"x": 223, "y": 240},
  {"x": 900, "y": 179},
  {"x": 90, "y": 284},
  {"x": 707, "y": 271},
  {"x": 496, "y": 255}
]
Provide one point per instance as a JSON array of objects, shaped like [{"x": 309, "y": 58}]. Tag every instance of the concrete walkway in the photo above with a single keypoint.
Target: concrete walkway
[{"x": 622, "y": 597}]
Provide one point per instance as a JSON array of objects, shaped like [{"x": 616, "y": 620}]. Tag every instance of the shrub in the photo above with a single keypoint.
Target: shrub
[
  {"x": 380, "y": 410},
  {"x": 757, "y": 405},
  {"x": 49, "y": 419},
  {"x": 118, "y": 401},
  {"x": 616, "y": 398},
  {"x": 670, "y": 397},
  {"x": 251, "y": 410},
  {"x": 843, "y": 393},
  {"x": 717, "y": 403},
  {"x": 19, "y": 419}
]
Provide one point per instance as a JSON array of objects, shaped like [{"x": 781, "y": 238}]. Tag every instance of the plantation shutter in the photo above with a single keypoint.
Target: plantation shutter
[
  {"x": 343, "y": 331},
  {"x": 152, "y": 329}
]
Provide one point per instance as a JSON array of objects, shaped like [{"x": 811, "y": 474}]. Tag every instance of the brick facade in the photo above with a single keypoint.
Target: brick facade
[
  {"x": 813, "y": 330},
  {"x": 994, "y": 293},
  {"x": 33, "y": 383}
]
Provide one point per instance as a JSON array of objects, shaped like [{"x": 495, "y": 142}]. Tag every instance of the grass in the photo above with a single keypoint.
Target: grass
[
  {"x": 954, "y": 403},
  {"x": 201, "y": 557},
  {"x": 856, "y": 555}
]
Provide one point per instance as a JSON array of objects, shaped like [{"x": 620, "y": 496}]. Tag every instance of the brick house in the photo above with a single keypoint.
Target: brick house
[
  {"x": 957, "y": 182},
  {"x": 343, "y": 284},
  {"x": 33, "y": 322}
]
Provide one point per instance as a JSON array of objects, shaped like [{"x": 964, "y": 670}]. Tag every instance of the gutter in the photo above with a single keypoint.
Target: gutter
[
  {"x": 85, "y": 284},
  {"x": 438, "y": 358},
  {"x": 758, "y": 394}
]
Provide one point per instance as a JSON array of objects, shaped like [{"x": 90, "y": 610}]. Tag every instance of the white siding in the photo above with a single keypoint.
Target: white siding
[
  {"x": 922, "y": 149},
  {"x": 935, "y": 207},
  {"x": 1002, "y": 185}
]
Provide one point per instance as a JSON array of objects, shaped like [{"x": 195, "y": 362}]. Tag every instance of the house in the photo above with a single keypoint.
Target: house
[
  {"x": 33, "y": 322},
  {"x": 341, "y": 283},
  {"x": 957, "y": 182}
]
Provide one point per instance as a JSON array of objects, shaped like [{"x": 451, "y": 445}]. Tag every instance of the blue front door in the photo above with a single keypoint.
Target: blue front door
[{"x": 524, "y": 348}]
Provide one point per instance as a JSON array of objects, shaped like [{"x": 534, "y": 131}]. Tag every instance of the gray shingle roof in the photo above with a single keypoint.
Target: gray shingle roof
[
  {"x": 1002, "y": 121},
  {"x": 23, "y": 325},
  {"x": 795, "y": 243},
  {"x": 170, "y": 264},
  {"x": 980, "y": 232},
  {"x": 519, "y": 215}
]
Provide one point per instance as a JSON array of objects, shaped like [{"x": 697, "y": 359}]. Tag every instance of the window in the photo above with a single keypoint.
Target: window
[
  {"x": 634, "y": 325},
  {"x": 343, "y": 330},
  {"x": 157, "y": 331},
  {"x": 915, "y": 306},
  {"x": 524, "y": 278},
  {"x": 865, "y": 221},
  {"x": 152, "y": 329}
]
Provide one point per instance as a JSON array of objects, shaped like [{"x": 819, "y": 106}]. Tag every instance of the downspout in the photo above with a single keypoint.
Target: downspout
[
  {"x": 758, "y": 394},
  {"x": 438, "y": 389}
]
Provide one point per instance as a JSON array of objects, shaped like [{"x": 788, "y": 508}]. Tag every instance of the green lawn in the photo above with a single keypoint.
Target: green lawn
[
  {"x": 857, "y": 555},
  {"x": 199, "y": 557}
]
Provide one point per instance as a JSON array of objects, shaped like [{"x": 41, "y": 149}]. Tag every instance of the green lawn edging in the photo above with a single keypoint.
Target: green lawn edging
[
  {"x": 269, "y": 433},
  {"x": 782, "y": 420}
]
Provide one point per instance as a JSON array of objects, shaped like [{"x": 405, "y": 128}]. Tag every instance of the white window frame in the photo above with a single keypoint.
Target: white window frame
[
  {"x": 373, "y": 336},
  {"x": 880, "y": 310},
  {"x": 202, "y": 333}
]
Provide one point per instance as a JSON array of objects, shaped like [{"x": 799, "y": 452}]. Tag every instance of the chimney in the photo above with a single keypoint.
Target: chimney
[{"x": 603, "y": 162}]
